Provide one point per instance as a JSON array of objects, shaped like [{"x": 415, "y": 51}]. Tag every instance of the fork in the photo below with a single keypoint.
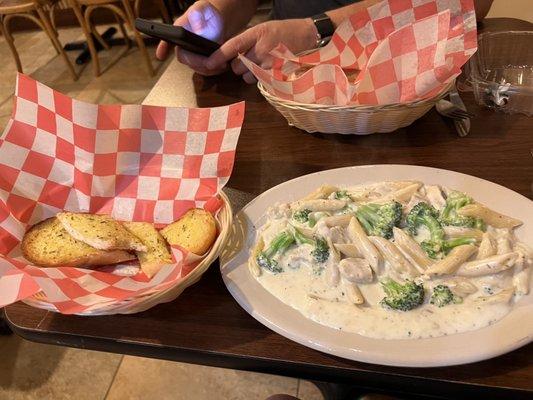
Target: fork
[{"x": 450, "y": 110}]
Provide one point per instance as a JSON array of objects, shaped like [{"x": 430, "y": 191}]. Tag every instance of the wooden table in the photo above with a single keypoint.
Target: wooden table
[{"x": 206, "y": 326}]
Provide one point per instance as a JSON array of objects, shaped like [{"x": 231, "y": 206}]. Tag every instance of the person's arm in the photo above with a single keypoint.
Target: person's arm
[
  {"x": 257, "y": 42},
  {"x": 482, "y": 8},
  {"x": 297, "y": 34},
  {"x": 216, "y": 20}
]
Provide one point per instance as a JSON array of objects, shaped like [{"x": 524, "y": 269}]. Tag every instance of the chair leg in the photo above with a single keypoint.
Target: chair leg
[
  {"x": 49, "y": 30},
  {"x": 87, "y": 32},
  {"x": 164, "y": 11},
  {"x": 52, "y": 34},
  {"x": 95, "y": 33},
  {"x": 142, "y": 48},
  {"x": 120, "y": 23},
  {"x": 4, "y": 30}
]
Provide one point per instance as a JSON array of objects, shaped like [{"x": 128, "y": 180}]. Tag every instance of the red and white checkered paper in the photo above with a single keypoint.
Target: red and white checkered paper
[
  {"x": 398, "y": 50},
  {"x": 133, "y": 162}
]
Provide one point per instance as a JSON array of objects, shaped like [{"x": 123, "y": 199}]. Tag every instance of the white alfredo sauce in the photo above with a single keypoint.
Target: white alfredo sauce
[{"x": 303, "y": 286}]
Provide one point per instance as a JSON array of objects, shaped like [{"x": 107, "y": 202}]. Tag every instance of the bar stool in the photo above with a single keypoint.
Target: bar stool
[
  {"x": 124, "y": 14},
  {"x": 41, "y": 13}
]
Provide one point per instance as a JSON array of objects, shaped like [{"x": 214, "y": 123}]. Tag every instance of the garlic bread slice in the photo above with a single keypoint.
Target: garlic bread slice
[
  {"x": 157, "y": 253},
  {"x": 48, "y": 244},
  {"x": 100, "y": 231}
]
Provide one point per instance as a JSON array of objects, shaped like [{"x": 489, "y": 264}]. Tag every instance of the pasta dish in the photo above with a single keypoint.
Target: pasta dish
[{"x": 393, "y": 260}]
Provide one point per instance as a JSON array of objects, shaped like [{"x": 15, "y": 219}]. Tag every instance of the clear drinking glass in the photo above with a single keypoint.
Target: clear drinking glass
[{"x": 501, "y": 71}]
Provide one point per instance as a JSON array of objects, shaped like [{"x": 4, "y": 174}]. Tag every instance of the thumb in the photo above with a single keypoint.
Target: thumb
[{"x": 230, "y": 49}]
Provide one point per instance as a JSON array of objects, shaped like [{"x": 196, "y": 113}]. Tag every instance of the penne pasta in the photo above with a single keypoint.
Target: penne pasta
[
  {"x": 363, "y": 244},
  {"x": 402, "y": 195},
  {"x": 321, "y": 193},
  {"x": 450, "y": 263},
  {"x": 309, "y": 232},
  {"x": 488, "y": 266},
  {"x": 354, "y": 293},
  {"x": 332, "y": 273},
  {"x": 348, "y": 249},
  {"x": 460, "y": 286},
  {"x": 435, "y": 197},
  {"x": 394, "y": 257},
  {"x": 487, "y": 247},
  {"x": 254, "y": 268},
  {"x": 337, "y": 234},
  {"x": 521, "y": 281},
  {"x": 490, "y": 217},
  {"x": 522, "y": 271},
  {"x": 319, "y": 205},
  {"x": 503, "y": 244},
  {"x": 338, "y": 220},
  {"x": 503, "y": 296},
  {"x": 411, "y": 249},
  {"x": 453, "y": 232}
]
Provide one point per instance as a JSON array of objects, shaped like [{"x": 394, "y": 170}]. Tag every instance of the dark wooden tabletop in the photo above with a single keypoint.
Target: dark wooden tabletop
[{"x": 206, "y": 326}]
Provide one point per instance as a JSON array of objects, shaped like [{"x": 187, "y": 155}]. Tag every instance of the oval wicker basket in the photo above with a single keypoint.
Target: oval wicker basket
[
  {"x": 152, "y": 298},
  {"x": 351, "y": 120}
]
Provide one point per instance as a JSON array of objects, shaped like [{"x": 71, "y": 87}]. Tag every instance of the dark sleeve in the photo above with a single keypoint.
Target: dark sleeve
[{"x": 285, "y": 9}]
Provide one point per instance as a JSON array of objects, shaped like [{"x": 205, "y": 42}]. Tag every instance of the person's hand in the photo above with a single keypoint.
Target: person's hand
[
  {"x": 257, "y": 42},
  {"x": 205, "y": 20}
]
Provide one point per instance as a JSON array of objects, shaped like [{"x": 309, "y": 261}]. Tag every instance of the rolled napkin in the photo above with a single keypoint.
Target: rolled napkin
[
  {"x": 132, "y": 162},
  {"x": 392, "y": 52}
]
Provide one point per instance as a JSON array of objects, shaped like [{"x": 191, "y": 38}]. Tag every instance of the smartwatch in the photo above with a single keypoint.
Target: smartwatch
[{"x": 324, "y": 27}]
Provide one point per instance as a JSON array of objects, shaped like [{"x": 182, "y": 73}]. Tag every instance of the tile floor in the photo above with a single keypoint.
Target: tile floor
[{"x": 35, "y": 371}]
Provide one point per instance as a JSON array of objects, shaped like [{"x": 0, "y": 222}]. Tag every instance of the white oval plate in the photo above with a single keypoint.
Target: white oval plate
[{"x": 513, "y": 331}]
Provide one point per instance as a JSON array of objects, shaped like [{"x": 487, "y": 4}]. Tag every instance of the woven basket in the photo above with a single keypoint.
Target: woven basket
[
  {"x": 152, "y": 298},
  {"x": 351, "y": 120}
]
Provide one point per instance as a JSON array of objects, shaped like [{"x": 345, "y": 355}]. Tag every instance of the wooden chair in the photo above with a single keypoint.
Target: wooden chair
[
  {"x": 124, "y": 14},
  {"x": 38, "y": 11}
]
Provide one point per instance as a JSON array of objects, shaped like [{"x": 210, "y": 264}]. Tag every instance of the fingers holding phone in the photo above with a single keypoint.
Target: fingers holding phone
[
  {"x": 203, "y": 19},
  {"x": 257, "y": 42}
]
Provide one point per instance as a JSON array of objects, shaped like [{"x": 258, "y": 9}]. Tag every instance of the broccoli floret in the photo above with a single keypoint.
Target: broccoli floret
[
  {"x": 379, "y": 219},
  {"x": 302, "y": 216},
  {"x": 422, "y": 214},
  {"x": 402, "y": 297},
  {"x": 440, "y": 249},
  {"x": 341, "y": 195},
  {"x": 426, "y": 215},
  {"x": 449, "y": 215},
  {"x": 321, "y": 251},
  {"x": 442, "y": 296},
  {"x": 279, "y": 245}
]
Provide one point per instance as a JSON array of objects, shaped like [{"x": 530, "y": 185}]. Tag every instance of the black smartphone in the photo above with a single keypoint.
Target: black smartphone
[{"x": 177, "y": 35}]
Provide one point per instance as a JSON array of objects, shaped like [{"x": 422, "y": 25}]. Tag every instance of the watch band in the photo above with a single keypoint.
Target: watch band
[{"x": 324, "y": 25}]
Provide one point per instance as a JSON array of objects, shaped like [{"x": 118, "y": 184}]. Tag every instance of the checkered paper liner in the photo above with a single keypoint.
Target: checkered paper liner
[
  {"x": 396, "y": 51},
  {"x": 133, "y": 162}
]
